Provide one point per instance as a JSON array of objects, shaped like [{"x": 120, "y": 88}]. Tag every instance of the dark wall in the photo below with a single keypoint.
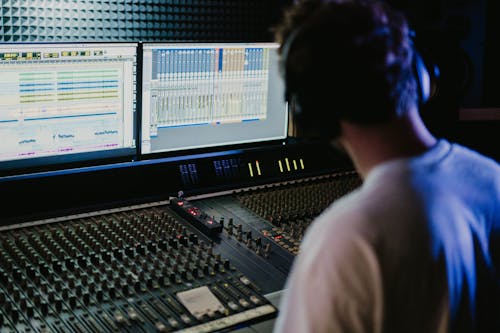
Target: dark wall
[
  {"x": 491, "y": 95},
  {"x": 460, "y": 37},
  {"x": 452, "y": 34},
  {"x": 143, "y": 20}
]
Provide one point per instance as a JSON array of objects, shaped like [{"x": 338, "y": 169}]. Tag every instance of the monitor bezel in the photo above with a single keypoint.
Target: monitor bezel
[{"x": 246, "y": 145}]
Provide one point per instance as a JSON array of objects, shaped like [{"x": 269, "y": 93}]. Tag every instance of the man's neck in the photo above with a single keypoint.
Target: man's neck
[{"x": 371, "y": 145}]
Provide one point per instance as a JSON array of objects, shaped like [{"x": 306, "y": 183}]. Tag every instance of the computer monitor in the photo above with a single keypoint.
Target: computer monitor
[
  {"x": 65, "y": 104},
  {"x": 198, "y": 95}
]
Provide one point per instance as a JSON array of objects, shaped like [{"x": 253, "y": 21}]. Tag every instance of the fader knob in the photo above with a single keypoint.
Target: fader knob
[
  {"x": 79, "y": 289},
  {"x": 99, "y": 295},
  {"x": 149, "y": 283},
  {"x": 173, "y": 243},
  {"x": 18, "y": 274},
  {"x": 23, "y": 303},
  {"x": 65, "y": 293},
  {"x": 31, "y": 272},
  {"x": 44, "y": 269},
  {"x": 14, "y": 315},
  {"x": 58, "y": 304},
  {"x": 44, "y": 307},
  {"x": 70, "y": 264},
  {"x": 112, "y": 292},
  {"x": 72, "y": 301},
  {"x": 129, "y": 251},
  {"x": 141, "y": 249},
  {"x": 15, "y": 293},
  {"x": 82, "y": 262},
  {"x": 194, "y": 239},
  {"x": 106, "y": 256},
  {"x": 152, "y": 246},
  {"x": 86, "y": 298},
  {"x": 4, "y": 277},
  {"x": 163, "y": 244},
  {"x": 95, "y": 259},
  {"x": 8, "y": 306},
  {"x": 37, "y": 299},
  {"x": 125, "y": 289},
  {"x": 183, "y": 240},
  {"x": 57, "y": 266},
  {"x": 30, "y": 311},
  {"x": 118, "y": 254}
]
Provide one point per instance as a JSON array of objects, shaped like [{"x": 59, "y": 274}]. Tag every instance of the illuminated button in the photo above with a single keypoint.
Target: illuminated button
[
  {"x": 160, "y": 327},
  {"x": 119, "y": 318},
  {"x": 133, "y": 314},
  {"x": 243, "y": 303},
  {"x": 255, "y": 299},
  {"x": 233, "y": 305}
]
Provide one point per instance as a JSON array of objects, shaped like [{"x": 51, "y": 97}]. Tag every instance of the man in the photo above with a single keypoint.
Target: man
[{"x": 415, "y": 249}]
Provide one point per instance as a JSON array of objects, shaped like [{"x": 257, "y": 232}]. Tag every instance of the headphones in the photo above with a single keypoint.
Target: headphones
[{"x": 421, "y": 73}]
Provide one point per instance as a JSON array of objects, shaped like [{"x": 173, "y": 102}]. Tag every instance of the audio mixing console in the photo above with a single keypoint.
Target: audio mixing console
[
  {"x": 278, "y": 214},
  {"x": 185, "y": 210},
  {"x": 194, "y": 264}
]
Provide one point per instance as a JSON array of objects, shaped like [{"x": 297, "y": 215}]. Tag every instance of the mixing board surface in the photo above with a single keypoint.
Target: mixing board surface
[
  {"x": 189, "y": 264},
  {"x": 277, "y": 215}
]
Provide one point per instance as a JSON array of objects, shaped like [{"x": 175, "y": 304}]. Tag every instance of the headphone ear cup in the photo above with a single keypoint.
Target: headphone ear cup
[{"x": 422, "y": 77}]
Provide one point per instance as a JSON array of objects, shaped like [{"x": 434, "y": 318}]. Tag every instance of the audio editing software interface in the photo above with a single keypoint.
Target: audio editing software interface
[
  {"x": 205, "y": 95},
  {"x": 60, "y": 100},
  {"x": 196, "y": 231}
]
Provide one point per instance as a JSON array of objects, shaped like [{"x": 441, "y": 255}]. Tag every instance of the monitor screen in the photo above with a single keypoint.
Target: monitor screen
[
  {"x": 66, "y": 103},
  {"x": 197, "y": 95}
]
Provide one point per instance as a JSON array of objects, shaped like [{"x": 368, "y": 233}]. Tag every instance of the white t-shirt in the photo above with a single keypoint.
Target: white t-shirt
[{"x": 408, "y": 251}]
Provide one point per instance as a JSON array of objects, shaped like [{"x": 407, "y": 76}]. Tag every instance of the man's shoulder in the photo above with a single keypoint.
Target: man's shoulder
[
  {"x": 343, "y": 217},
  {"x": 465, "y": 170},
  {"x": 474, "y": 159},
  {"x": 371, "y": 212}
]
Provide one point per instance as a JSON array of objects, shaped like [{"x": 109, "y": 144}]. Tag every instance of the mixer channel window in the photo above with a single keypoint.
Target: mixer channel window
[
  {"x": 65, "y": 100},
  {"x": 200, "y": 95}
]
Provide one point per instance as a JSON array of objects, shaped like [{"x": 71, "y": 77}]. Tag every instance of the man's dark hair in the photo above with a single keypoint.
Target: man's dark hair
[{"x": 349, "y": 60}]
